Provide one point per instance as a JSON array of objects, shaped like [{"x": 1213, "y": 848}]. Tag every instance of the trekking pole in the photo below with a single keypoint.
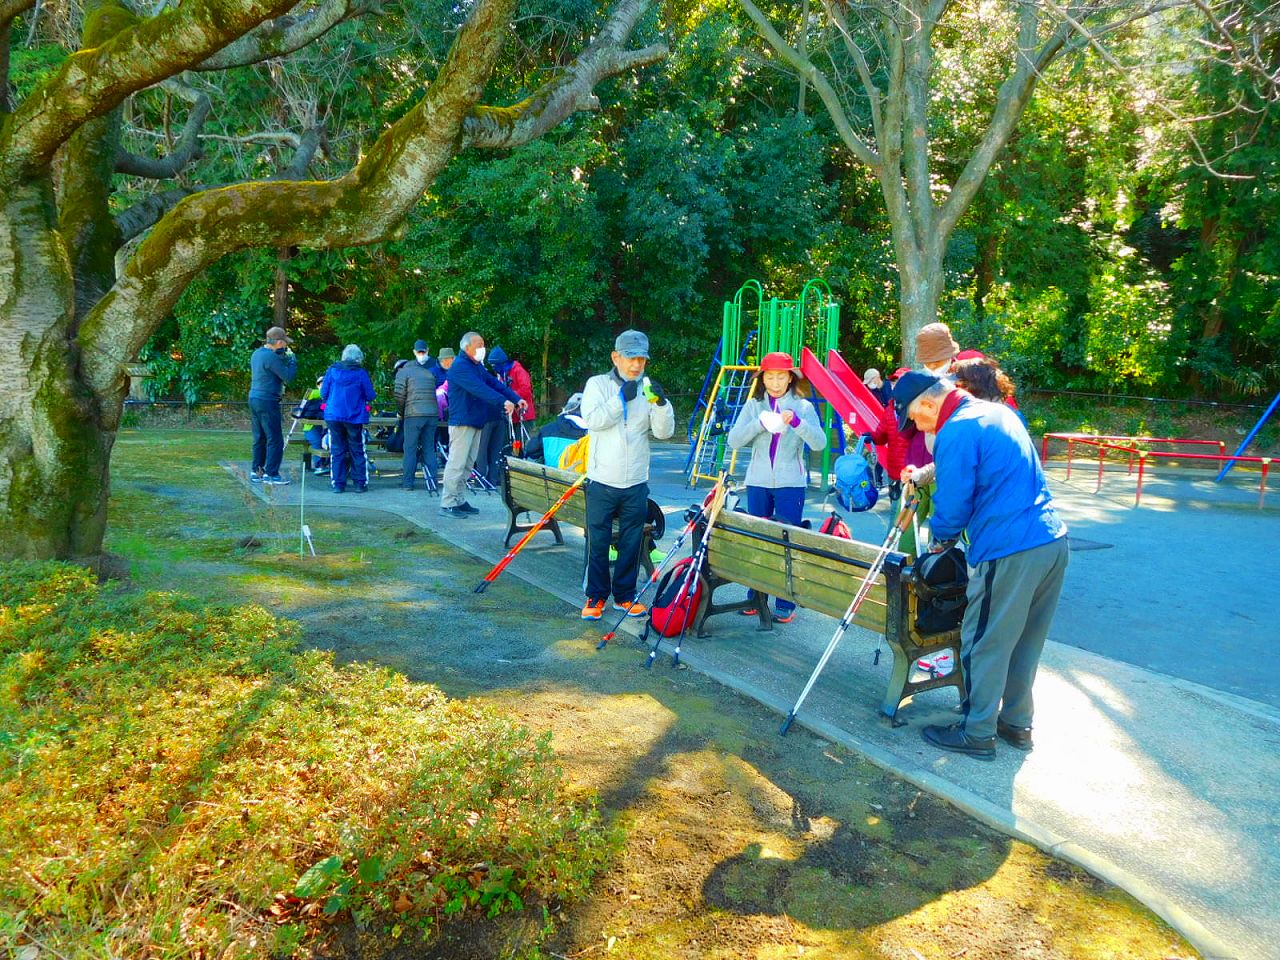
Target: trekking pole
[
  {"x": 912, "y": 500},
  {"x": 658, "y": 571},
  {"x": 501, "y": 565},
  {"x": 695, "y": 567},
  {"x": 700, "y": 562}
]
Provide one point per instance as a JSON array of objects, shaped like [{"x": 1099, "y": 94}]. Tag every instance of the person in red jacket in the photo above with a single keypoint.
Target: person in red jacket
[
  {"x": 886, "y": 434},
  {"x": 514, "y": 375}
]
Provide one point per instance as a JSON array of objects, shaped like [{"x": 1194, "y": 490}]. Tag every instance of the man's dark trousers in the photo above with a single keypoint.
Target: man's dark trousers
[
  {"x": 630, "y": 506},
  {"x": 493, "y": 440},
  {"x": 419, "y": 447},
  {"x": 268, "y": 441}
]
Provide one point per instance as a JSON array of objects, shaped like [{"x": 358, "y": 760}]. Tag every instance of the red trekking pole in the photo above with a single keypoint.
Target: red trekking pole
[{"x": 501, "y": 565}]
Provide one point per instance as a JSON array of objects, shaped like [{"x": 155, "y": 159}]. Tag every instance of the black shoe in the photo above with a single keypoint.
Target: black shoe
[
  {"x": 361, "y": 488},
  {"x": 407, "y": 489},
  {"x": 467, "y": 508},
  {"x": 1017, "y": 737},
  {"x": 456, "y": 512},
  {"x": 954, "y": 738},
  {"x": 337, "y": 489}
]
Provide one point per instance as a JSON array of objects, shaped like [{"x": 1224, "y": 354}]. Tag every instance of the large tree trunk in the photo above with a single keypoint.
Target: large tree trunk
[{"x": 53, "y": 455}]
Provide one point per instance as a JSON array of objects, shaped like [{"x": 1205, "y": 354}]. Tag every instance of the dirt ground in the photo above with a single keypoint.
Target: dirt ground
[{"x": 735, "y": 841}]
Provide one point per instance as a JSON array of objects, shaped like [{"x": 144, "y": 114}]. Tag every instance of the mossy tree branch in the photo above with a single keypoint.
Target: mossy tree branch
[
  {"x": 365, "y": 206},
  {"x": 94, "y": 81},
  {"x": 572, "y": 90},
  {"x": 285, "y": 34}
]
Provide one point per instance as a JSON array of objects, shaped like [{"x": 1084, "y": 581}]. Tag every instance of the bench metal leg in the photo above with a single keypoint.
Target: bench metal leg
[{"x": 901, "y": 687}]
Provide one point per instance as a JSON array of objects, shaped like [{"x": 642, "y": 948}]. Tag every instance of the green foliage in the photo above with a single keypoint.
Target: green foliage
[{"x": 175, "y": 781}]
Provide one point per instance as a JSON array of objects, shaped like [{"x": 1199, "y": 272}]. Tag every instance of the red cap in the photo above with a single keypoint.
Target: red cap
[
  {"x": 777, "y": 361},
  {"x": 970, "y": 355},
  {"x": 899, "y": 372}
]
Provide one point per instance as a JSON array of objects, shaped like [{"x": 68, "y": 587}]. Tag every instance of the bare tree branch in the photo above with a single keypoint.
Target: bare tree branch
[
  {"x": 819, "y": 81},
  {"x": 185, "y": 151},
  {"x": 95, "y": 81},
  {"x": 873, "y": 93},
  {"x": 286, "y": 34},
  {"x": 147, "y": 211}
]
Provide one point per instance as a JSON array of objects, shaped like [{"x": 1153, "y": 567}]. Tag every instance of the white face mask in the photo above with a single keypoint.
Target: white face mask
[
  {"x": 422, "y": 357},
  {"x": 480, "y": 354}
]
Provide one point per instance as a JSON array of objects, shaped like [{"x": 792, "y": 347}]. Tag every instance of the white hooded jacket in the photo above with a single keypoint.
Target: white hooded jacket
[{"x": 618, "y": 451}]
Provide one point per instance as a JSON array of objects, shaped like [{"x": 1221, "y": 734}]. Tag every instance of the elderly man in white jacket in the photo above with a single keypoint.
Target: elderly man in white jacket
[{"x": 620, "y": 409}]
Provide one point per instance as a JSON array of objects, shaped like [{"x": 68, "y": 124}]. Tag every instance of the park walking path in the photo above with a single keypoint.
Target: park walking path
[{"x": 1158, "y": 722}]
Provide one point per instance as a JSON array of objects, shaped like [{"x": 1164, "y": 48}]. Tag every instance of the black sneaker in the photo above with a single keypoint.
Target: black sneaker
[
  {"x": 277, "y": 481},
  {"x": 1017, "y": 737},
  {"x": 255, "y": 476},
  {"x": 361, "y": 488},
  {"x": 338, "y": 489},
  {"x": 954, "y": 738},
  {"x": 467, "y": 508},
  {"x": 456, "y": 512}
]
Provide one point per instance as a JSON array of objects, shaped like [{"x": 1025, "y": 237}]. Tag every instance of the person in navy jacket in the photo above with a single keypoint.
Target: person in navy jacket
[
  {"x": 476, "y": 397},
  {"x": 990, "y": 485},
  {"x": 347, "y": 392}
]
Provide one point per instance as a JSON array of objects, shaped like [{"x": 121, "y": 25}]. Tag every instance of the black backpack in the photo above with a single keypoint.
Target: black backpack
[{"x": 941, "y": 580}]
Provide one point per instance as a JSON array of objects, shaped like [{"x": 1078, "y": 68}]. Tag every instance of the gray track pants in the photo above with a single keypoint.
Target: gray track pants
[{"x": 1011, "y": 605}]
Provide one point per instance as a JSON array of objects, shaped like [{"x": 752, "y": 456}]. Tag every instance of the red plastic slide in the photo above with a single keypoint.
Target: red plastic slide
[{"x": 847, "y": 394}]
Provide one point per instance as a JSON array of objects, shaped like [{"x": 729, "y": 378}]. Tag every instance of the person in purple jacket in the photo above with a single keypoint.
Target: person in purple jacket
[
  {"x": 990, "y": 485},
  {"x": 347, "y": 392}
]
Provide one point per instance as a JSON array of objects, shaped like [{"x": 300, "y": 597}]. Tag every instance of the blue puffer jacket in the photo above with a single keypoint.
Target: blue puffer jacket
[
  {"x": 347, "y": 392},
  {"x": 475, "y": 394},
  {"x": 990, "y": 483}
]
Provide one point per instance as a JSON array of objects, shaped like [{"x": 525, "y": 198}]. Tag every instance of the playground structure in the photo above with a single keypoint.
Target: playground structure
[
  {"x": 752, "y": 326},
  {"x": 1130, "y": 447}
]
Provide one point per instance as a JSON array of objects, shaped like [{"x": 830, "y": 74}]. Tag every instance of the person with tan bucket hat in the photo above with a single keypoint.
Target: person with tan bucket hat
[{"x": 936, "y": 349}]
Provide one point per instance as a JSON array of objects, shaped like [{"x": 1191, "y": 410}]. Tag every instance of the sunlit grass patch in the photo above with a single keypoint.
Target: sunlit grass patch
[{"x": 176, "y": 781}]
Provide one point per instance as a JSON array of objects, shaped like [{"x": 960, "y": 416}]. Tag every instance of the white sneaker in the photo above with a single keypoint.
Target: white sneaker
[{"x": 939, "y": 665}]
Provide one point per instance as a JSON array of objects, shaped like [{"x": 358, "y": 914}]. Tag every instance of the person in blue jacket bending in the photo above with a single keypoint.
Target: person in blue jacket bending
[
  {"x": 347, "y": 392},
  {"x": 990, "y": 484}
]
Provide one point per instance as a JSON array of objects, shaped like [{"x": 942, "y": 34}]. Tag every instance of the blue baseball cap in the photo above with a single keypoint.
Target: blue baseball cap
[
  {"x": 909, "y": 386},
  {"x": 632, "y": 343},
  {"x": 421, "y": 347}
]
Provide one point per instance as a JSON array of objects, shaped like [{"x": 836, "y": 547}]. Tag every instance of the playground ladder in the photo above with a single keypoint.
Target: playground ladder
[{"x": 724, "y": 403}]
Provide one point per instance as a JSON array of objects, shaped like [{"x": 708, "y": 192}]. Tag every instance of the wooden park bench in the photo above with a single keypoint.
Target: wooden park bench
[
  {"x": 822, "y": 573},
  {"x": 530, "y": 488}
]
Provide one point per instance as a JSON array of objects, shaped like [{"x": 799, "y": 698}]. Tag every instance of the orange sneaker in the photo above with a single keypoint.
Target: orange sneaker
[
  {"x": 632, "y": 608},
  {"x": 593, "y": 610},
  {"x": 750, "y": 612}
]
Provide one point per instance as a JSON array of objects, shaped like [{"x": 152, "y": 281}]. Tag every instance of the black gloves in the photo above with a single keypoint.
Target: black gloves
[{"x": 629, "y": 388}]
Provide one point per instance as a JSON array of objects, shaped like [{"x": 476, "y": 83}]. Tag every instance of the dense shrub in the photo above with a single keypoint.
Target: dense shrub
[{"x": 176, "y": 781}]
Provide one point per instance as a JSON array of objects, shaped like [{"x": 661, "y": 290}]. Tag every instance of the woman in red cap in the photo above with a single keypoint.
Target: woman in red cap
[{"x": 778, "y": 423}]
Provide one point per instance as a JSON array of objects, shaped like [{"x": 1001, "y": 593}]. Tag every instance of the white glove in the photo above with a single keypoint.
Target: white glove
[{"x": 773, "y": 422}]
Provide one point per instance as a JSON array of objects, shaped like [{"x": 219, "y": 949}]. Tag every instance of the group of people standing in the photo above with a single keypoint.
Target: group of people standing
[
  {"x": 483, "y": 407},
  {"x": 951, "y": 429}
]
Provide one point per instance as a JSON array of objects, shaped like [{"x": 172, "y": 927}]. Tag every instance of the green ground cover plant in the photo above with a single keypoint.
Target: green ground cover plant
[{"x": 177, "y": 781}]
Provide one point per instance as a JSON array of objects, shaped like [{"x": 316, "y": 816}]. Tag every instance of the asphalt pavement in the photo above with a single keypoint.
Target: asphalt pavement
[{"x": 1157, "y": 725}]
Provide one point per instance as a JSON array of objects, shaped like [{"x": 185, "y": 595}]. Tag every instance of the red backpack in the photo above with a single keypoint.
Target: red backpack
[
  {"x": 671, "y": 615},
  {"x": 833, "y": 526}
]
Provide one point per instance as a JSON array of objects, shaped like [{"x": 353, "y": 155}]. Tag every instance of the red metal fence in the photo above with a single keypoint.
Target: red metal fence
[{"x": 1127, "y": 445}]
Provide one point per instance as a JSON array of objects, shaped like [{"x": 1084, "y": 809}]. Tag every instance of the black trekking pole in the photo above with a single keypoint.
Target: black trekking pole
[
  {"x": 658, "y": 571},
  {"x": 688, "y": 584},
  {"x": 864, "y": 590}
]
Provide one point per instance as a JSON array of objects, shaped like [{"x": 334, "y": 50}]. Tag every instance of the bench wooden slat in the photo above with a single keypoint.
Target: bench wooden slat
[{"x": 766, "y": 573}]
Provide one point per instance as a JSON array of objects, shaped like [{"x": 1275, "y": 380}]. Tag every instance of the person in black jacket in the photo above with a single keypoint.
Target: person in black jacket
[
  {"x": 555, "y": 437},
  {"x": 475, "y": 397},
  {"x": 272, "y": 366},
  {"x": 416, "y": 401}
]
